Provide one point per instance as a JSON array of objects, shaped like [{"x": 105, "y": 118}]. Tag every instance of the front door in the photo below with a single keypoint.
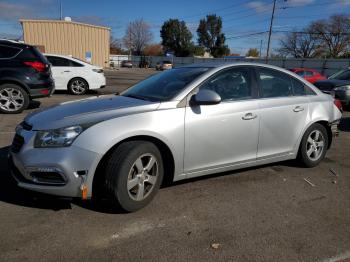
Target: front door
[{"x": 217, "y": 136}]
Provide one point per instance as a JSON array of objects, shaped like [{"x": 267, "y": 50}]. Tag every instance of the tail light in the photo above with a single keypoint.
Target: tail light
[
  {"x": 38, "y": 66},
  {"x": 338, "y": 104}
]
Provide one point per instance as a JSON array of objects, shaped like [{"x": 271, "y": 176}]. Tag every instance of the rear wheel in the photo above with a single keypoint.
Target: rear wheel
[
  {"x": 78, "y": 86},
  {"x": 13, "y": 99},
  {"x": 314, "y": 145},
  {"x": 134, "y": 173}
]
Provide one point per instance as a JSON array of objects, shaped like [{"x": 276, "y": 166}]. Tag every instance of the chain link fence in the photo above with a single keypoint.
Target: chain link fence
[{"x": 324, "y": 66}]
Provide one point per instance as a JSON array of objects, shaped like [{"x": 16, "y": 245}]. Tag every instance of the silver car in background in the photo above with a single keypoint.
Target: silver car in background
[{"x": 185, "y": 122}]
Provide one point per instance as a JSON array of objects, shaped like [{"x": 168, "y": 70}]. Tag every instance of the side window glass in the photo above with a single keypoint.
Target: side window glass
[
  {"x": 58, "y": 61},
  {"x": 298, "y": 88},
  {"x": 300, "y": 73},
  {"x": 231, "y": 84},
  {"x": 309, "y": 73},
  {"x": 274, "y": 83},
  {"x": 75, "y": 64}
]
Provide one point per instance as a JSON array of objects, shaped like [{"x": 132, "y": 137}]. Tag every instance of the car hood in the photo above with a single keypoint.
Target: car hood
[
  {"x": 87, "y": 111},
  {"x": 330, "y": 84}
]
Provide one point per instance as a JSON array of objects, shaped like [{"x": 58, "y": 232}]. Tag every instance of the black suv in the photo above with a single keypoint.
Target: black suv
[
  {"x": 24, "y": 74},
  {"x": 337, "y": 84}
]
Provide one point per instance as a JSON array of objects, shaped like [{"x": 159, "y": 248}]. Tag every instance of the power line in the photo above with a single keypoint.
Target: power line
[{"x": 247, "y": 35}]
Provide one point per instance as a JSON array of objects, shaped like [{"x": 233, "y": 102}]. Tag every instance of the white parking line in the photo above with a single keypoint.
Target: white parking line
[{"x": 339, "y": 257}]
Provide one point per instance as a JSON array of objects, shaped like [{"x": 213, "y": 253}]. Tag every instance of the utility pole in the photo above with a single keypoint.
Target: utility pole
[
  {"x": 270, "y": 31},
  {"x": 130, "y": 42},
  {"x": 260, "y": 48},
  {"x": 61, "y": 10}
]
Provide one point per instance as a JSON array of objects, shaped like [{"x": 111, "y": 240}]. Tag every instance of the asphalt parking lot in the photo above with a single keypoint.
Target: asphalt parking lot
[{"x": 267, "y": 213}]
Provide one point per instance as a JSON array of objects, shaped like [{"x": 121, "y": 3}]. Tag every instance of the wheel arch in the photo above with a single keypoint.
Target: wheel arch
[
  {"x": 15, "y": 82},
  {"x": 78, "y": 77},
  {"x": 167, "y": 155},
  {"x": 325, "y": 124}
]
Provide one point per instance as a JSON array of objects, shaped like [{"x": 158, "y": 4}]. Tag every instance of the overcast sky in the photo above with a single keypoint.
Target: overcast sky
[{"x": 243, "y": 20}]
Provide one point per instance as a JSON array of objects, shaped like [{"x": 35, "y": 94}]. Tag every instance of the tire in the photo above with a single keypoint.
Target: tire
[
  {"x": 314, "y": 144},
  {"x": 78, "y": 86},
  {"x": 13, "y": 99},
  {"x": 126, "y": 175}
]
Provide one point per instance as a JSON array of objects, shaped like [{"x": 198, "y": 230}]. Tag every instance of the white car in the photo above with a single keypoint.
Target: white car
[{"x": 75, "y": 75}]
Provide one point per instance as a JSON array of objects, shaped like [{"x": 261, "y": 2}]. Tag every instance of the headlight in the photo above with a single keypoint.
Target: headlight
[
  {"x": 342, "y": 88},
  {"x": 98, "y": 70},
  {"x": 58, "y": 137}
]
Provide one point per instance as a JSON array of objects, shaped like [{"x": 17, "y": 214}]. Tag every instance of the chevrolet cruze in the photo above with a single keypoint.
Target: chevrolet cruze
[{"x": 185, "y": 122}]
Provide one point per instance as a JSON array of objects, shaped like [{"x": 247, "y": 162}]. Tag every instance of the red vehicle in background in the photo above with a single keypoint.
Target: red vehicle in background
[{"x": 310, "y": 75}]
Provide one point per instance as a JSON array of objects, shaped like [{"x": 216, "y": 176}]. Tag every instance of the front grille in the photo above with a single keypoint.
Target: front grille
[
  {"x": 26, "y": 126},
  {"x": 17, "y": 143},
  {"x": 47, "y": 178}
]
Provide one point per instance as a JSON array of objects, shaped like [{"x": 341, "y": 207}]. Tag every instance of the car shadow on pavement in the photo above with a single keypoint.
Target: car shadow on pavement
[
  {"x": 344, "y": 124},
  {"x": 12, "y": 194},
  {"x": 34, "y": 104}
]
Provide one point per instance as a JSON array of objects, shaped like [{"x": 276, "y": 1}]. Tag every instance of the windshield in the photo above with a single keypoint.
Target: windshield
[
  {"x": 164, "y": 86},
  {"x": 341, "y": 75}
]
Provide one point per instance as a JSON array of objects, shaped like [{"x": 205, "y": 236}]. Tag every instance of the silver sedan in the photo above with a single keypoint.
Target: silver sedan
[{"x": 185, "y": 122}]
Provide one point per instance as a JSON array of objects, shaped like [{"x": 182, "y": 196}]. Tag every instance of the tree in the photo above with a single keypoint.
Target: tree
[
  {"x": 198, "y": 50},
  {"x": 176, "y": 37},
  {"x": 334, "y": 34},
  {"x": 253, "y": 52},
  {"x": 302, "y": 44},
  {"x": 115, "y": 47},
  {"x": 211, "y": 37},
  {"x": 153, "y": 50},
  {"x": 137, "y": 36}
]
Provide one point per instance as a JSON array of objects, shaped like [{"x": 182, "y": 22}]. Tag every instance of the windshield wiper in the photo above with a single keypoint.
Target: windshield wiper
[{"x": 137, "y": 97}]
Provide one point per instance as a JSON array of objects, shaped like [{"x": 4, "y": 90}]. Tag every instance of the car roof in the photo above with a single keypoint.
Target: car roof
[{"x": 13, "y": 43}]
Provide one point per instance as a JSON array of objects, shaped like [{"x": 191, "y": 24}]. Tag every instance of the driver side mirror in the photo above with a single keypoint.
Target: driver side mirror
[{"x": 205, "y": 97}]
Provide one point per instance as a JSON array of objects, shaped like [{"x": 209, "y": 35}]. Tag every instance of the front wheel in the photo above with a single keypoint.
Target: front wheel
[
  {"x": 134, "y": 173},
  {"x": 314, "y": 145}
]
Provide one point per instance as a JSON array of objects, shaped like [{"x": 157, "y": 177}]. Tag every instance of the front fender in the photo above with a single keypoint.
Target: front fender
[{"x": 165, "y": 125}]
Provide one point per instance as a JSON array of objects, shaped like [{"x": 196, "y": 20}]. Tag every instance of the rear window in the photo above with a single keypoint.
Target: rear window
[
  {"x": 32, "y": 53},
  {"x": 167, "y": 62},
  {"x": 8, "y": 52},
  {"x": 341, "y": 75}
]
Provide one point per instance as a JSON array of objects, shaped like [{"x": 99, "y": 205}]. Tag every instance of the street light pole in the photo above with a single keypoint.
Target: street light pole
[{"x": 270, "y": 31}]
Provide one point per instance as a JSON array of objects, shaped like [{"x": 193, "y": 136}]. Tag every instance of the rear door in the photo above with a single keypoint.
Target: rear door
[
  {"x": 283, "y": 112},
  {"x": 61, "y": 71}
]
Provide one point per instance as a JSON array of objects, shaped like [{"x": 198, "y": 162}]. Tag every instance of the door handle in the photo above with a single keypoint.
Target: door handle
[
  {"x": 298, "y": 109},
  {"x": 249, "y": 116},
  {"x": 67, "y": 71}
]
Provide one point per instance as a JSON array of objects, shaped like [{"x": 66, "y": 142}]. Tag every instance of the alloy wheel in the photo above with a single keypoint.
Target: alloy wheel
[
  {"x": 78, "y": 86},
  {"x": 142, "y": 177},
  {"x": 11, "y": 99},
  {"x": 315, "y": 145}
]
